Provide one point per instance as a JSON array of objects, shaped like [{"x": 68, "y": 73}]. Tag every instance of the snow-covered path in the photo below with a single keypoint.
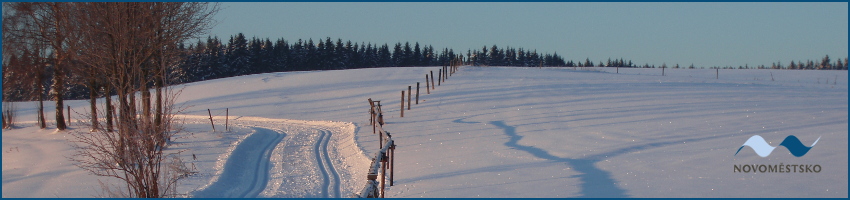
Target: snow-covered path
[
  {"x": 279, "y": 158},
  {"x": 247, "y": 169}
]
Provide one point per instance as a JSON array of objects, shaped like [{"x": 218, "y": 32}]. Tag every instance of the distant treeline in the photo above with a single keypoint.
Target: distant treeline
[
  {"x": 213, "y": 59},
  {"x": 824, "y": 64},
  {"x": 495, "y": 56}
]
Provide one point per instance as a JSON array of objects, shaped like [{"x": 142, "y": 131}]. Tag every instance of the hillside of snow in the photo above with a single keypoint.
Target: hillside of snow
[{"x": 485, "y": 132}]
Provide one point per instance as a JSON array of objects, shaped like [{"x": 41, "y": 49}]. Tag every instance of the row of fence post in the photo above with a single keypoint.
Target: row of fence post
[
  {"x": 383, "y": 159},
  {"x": 226, "y": 119},
  {"x": 716, "y": 72},
  {"x": 443, "y": 73}
]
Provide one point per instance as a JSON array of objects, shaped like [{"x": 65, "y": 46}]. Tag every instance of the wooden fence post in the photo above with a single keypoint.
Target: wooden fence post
[
  {"x": 392, "y": 163},
  {"x": 380, "y": 113},
  {"x": 402, "y": 103},
  {"x": 427, "y": 86},
  {"x": 409, "y": 93},
  {"x": 211, "y": 121},
  {"x": 383, "y": 174},
  {"x": 69, "y": 115},
  {"x": 455, "y": 66},
  {"x": 226, "y": 116},
  {"x": 445, "y": 73},
  {"x": 372, "y": 119},
  {"x": 432, "y": 80},
  {"x": 417, "y": 93},
  {"x": 440, "y": 77}
]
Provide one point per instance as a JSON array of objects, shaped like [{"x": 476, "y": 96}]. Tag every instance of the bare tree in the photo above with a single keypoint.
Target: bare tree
[
  {"x": 20, "y": 35},
  {"x": 47, "y": 23},
  {"x": 123, "y": 47},
  {"x": 133, "y": 46}
]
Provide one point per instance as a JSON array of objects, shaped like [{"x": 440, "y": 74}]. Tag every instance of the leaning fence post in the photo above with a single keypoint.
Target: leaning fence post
[
  {"x": 432, "y": 80},
  {"x": 402, "y": 103},
  {"x": 211, "y": 121},
  {"x": 417, "y": 93},
  {"x": 427, "y": 86}
]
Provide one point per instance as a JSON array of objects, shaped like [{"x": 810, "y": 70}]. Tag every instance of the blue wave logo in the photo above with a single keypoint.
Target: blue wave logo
[{"x": 764, "y": 149}]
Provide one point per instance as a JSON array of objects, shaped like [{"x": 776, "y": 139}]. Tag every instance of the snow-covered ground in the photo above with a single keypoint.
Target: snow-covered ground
[{"x": 486, "y": 132}]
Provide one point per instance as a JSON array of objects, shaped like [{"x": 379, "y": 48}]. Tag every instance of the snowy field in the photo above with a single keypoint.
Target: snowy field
[{"x": 485, "y": 132}]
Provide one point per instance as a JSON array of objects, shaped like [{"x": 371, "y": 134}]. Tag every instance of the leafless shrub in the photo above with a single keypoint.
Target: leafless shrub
[{"x": 134, "y": 153}]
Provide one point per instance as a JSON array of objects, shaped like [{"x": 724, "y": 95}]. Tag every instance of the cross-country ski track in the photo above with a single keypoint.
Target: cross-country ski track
[
  {"x": 270, "y": 160},
  {"x": 327, "y": 167},
  {"x": 253, "y": 153}
]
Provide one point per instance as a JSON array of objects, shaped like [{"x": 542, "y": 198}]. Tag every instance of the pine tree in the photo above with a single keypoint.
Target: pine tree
[
  {"x": 845, "y": 63},
  {"x": 416, "y": 57},
  {"x": 825, "y": 63},
  {"x": 398, "y": 55},
  {"x": 281, "y": 56},
  {"x": 237, "y": 55},
  {"x": 494, "y": 57},
  {"x": 407, "y": 55},
  {"x": 311, "y": 61}
]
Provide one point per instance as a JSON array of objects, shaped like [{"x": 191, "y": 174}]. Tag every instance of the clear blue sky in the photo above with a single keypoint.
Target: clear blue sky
[{"x": 705, "y": 34}]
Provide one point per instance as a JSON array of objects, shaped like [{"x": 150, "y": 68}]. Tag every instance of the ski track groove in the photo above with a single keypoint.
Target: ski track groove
[
  {"x": 257, "y": 181},
  {"x": 261, "y": 176},
  {"x": 326, "y": 166},
  {"x": 336, "y": 186}
]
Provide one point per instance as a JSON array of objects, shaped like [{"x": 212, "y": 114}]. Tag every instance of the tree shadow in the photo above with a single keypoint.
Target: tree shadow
[{"x": 595, "y": 182}]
